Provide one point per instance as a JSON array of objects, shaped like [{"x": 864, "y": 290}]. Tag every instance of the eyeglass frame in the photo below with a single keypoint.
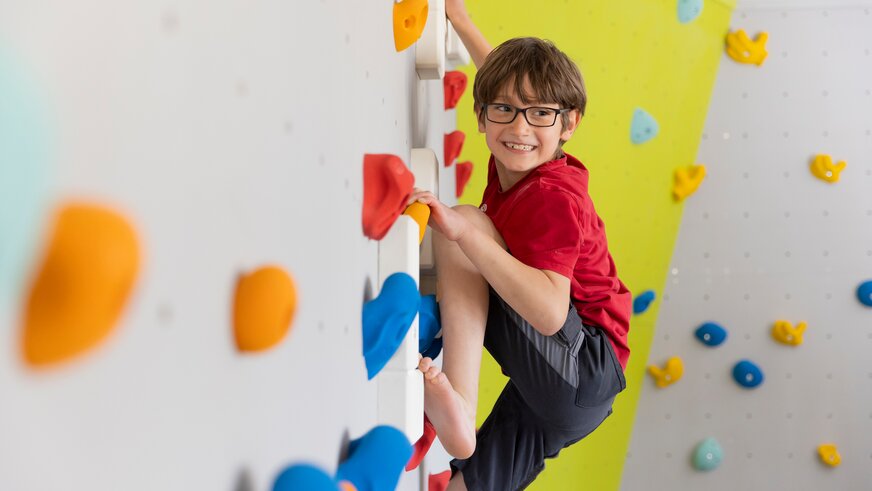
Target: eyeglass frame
[{"x": 518, "y": 110}]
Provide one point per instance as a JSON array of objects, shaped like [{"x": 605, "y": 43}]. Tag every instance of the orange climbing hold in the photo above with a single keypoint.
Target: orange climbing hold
[
  {"x": 421, "y": 214},
  {"x": 387, "y": 184},
  {"x": 410, "y": 17},
  {"x": 454, "y": 84},
  {"x": 463, "y": 172},
  {"x": 347, "y": 486},
  {"x": 263, "y": 308},
  {"x": 453, "y": 145},
  {"x": 81, "y": 287}
]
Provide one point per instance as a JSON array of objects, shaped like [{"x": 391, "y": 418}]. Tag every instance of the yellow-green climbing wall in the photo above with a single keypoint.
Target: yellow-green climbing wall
[{"x": 632, "y": 54}]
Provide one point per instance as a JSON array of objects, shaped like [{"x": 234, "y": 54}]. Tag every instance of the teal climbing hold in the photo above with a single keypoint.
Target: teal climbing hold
[
  {"x": 708, "y": 455},
  {"x": 377, "y": 460},
  {"x": 643, "y": 301},
  {"x": 689, "y": 10},
  {"x": 747, "y": 374},
  {"x": 26, "y": 148},
  {"x": 864, "y": 293},
  {"x": 387, "y": 319},
  {"x": 644, "y": 127},
  {"x": 711, "y": 334},
  {"x": 429, "y": 328},
  {"x": 304, "y": 476}
]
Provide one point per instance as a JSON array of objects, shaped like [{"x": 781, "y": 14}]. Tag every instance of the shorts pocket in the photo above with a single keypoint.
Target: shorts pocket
[{"x": 600, "y": 376}]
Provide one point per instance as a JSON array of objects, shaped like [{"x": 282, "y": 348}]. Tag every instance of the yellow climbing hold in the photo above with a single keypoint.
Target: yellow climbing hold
[
  {"x": 784, "y": 332},
  {"x": 669, "y": 374},
  {"x": 421, "y": 214},
  {"x": 742, "y": 49},
  {"x": 823, "y": 168},
  {"x": 829, "y": 455},
  {"x": 410, "y": 17},
  {"x": 687, "y": 180}
]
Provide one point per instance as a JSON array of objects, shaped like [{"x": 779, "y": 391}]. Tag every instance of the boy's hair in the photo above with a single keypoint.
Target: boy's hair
[{"x": 553, "y": 76}]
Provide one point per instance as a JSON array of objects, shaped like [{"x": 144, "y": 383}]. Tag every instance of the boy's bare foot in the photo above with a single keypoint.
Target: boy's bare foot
[{"x": 448, "y": 411}]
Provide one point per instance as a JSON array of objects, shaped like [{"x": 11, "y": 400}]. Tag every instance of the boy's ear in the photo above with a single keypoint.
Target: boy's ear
[
  {"x": 574, "y": 120},
  {"x": 481, "y": 128}
]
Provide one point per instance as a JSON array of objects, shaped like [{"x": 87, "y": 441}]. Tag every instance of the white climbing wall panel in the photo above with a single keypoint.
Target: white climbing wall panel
[
  {"x": 764, "y": 240},
  {"x": 232, "y": 135}
]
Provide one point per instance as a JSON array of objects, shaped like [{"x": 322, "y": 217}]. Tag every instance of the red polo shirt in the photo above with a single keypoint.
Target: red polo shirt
[{"x": 549, "y": 222}]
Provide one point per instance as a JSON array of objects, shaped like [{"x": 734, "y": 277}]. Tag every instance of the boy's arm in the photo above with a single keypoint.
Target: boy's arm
[
  {"x": 541, "y": 297},
  {"x": 472, "y": 38}
]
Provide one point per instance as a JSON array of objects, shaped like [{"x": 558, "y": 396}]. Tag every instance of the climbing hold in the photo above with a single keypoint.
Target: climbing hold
[
  {"x": 711, "y": 334},
  {"x": 263, "y": 308},
  {"x": 304, "y": 476},
  {"x": 453, "y": 145},
  {"x": 688, "y": 10},
  {"x": 453, "y": 84},
  {"x": 82, "y": 285},
  {"x": 643, "y": 301},
  {"x": 376, "y": 461},
  {"x": 422, "y": 446},
  {"x": 410, "y": 17},
  {"x": 829, "y": 455},
  {"x": 387, "y": 184},
  {"x": 687, "y": 181},
  {"x": 386, "y": 320},
  {"x": 463, "y": 171},
  {"x": 747, "y": 374},
  {"x": 743, "y": 50},
  {"x": 708, "y": 455},
  {"x": 669, "y": 374},
  {"x": 439, "y": 482},
  {"x": 864, "y": 293},
  {"x": 421, "y": 214},
  {"x": 643, "y": 127},
  {"x": 784, "y": 332},
  {"x": 429, "y": 328},
  {"x": 823, "y": 168},
  {"x": 347, "y": 486}
]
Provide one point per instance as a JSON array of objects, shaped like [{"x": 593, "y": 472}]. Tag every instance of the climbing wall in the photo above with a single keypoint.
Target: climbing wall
[
  {"x": 229, "y": 136},
  {"x": 765, "y": 240}
]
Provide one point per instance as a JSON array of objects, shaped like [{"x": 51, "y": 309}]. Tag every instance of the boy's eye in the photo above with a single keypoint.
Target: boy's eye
[
  {"x": 502, "y": 108},
  {"x": 542, "y": 112}
]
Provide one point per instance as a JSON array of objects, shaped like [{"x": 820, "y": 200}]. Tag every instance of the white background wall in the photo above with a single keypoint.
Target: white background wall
[
  {"x": 232, "y": 135},
  {"x": 764, "y": 240}
]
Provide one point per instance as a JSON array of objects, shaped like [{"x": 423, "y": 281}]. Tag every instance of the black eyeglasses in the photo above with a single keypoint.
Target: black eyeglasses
[{"x": 542, "y": 117}]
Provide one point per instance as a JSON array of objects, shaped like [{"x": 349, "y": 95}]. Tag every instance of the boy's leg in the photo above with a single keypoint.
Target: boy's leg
[{"x": 450, "y": 400}]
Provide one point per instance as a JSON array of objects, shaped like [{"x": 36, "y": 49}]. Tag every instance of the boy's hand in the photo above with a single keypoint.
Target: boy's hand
[{"x": 442, "y": 218}]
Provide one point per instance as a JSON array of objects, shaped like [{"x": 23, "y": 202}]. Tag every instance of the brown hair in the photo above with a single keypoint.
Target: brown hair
[{"x": 553, "y": 76}]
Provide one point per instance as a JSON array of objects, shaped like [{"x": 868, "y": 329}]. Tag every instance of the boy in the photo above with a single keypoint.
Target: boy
[{"x": 528, "y": 276}]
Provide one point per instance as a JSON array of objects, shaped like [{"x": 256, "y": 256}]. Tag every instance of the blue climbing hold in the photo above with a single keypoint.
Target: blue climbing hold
[
  {"x": 689, "y": 10},
  {"x": 304, "y": 476},
  {"x": 429, "y": 328},
  {"x": 644, "y": 127},
  {"x": 643, "y": 301},
  {"x": 387, "y": 319},
  {"x": 377, "y": 460},
  {"x": 708, "y": 455},
  {"x": 747, "y": 374},
  {"x": 711, "y": 334},
  {"x": 864, "y": 293}
]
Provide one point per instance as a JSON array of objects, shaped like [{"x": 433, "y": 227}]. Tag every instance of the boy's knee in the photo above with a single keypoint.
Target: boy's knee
[{"x": 480, "y": 221}]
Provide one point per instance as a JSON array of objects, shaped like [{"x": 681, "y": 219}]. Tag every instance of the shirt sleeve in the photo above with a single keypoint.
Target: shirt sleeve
[{"x": 544, "y": 231}]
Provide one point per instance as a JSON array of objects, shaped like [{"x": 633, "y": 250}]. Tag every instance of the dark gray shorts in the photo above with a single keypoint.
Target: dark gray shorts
[{"x": 561, "y": 388}]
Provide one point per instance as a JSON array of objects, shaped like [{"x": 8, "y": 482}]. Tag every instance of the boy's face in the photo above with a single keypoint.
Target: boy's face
[{"x": 519, "y": 147}]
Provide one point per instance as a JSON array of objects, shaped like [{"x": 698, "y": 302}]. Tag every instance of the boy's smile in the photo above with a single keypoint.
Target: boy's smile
[{"x": 519, "y": 147}]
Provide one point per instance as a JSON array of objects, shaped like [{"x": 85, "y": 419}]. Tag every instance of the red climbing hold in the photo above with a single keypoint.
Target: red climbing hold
[
  {"x": 464, "y": 172},
  {"x": 453, "y": 145},
  {"x": 454, "y": 84},
  {"x": 387, "y": 184},
  {"x": 422, "y": 446},
  {"x": 439, "y": 482}
]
